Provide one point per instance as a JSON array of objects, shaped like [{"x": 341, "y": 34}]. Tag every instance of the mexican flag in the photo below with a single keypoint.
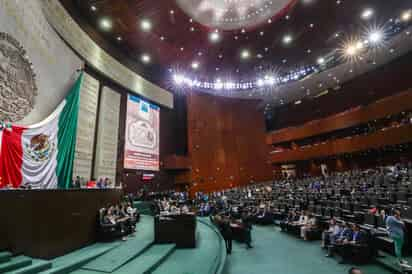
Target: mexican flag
[{"x": 42, "y": 155}]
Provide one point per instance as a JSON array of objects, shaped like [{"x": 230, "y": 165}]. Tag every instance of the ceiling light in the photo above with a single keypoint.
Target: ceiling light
[
  {"x": 119, "y": 38},
  {"x": 245, "y": 54},
  {"x": 351, "y": 50},
  {"x": 321, "y": 60},
  {"x": 93, "y": 8},
  {"x": 367, "y": 14},
  {"x": 145, "y": 58},
  {"x": 287, "y": 39},
  {"x": 195, "y": 65},
  {"x": 145, "y": 25},
  {"x": 375, "y": 37},
  {"x": 105, "y": 23},
  {"x": 214, "y": 36},
  {"x": 178, "y": 78},
  {"x": 406, "y": 15}
]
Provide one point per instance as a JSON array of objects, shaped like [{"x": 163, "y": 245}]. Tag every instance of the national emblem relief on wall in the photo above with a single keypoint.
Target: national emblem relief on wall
[{"x": 17, "y": 80}]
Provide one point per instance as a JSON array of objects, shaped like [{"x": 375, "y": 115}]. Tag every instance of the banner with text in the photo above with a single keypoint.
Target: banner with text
[{"x": 142, "y": 135}]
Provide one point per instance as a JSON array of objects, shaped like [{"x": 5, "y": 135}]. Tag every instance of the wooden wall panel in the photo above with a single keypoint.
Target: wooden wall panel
[
  {"x": 379, "y": 109},
  {"x": 226, "y": 140},
  {"x": 390, "y": 136}
]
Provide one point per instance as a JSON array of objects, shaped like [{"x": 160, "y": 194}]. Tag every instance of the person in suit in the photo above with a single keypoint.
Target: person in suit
[
  {"x": 343, "y": 237},
  {"x": 227, "y": 233},
  {"x": 346, "y": 247},
  {"x": 247, "y": 228}
]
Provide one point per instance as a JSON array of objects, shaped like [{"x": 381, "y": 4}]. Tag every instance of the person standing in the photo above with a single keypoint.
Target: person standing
[
  {"x": 247, "y": 228},
  {"x": 396, "y": 227},
  {"x": 227, "y": 233}
]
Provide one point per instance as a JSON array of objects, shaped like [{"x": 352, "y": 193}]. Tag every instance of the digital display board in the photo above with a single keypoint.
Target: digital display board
[{"x": 142, "y": 135}]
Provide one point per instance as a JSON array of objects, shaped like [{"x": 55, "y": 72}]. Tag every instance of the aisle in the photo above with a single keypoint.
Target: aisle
[{"x": 277, "y": 252}]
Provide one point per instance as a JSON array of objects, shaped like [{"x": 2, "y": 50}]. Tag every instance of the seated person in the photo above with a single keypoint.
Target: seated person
[
  {"x": 310, "y": 226},
  {"x": 345, "y": 248},
  {"x": 331, "y": 234},
  {"x": 344, "y": 236},
  {"x": 290, "y": 219},
  {"x": 302, "y": 221}
]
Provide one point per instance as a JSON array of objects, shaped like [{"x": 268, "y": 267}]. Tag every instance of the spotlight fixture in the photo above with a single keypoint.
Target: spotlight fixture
[
  {"x": 406, "y": 15},
  {"x": 195, "y": 65},
  {"x": 105, "y": 24},
  {"x": 145, "y": 25},
  {"x": 287, "y": 39},
  {"x": 375, "y": 37},
  {"x": 145, "y": 58},
  {"x": 214, "y": 36},
  {"x": 367, "y": 14},
  {"x": 321, "y": 60},
  {"x": 245, "y": 54},
  {"x": 352, "y": 49}
]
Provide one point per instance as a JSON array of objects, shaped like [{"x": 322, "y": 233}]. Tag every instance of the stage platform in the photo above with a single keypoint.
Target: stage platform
[{"x": 137, "y": 255}]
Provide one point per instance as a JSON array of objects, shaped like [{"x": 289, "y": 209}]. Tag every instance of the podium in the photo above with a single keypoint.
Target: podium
[
  {"x": 50, "y": 223},
  {"x": 176, "y": 228}
]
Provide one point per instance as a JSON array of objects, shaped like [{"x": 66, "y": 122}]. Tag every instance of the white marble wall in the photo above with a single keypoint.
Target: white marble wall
[
  {"x": 89, "y": 95},
  {"x": 54, "y": 63},
  {"x": 107, "y": 135}
]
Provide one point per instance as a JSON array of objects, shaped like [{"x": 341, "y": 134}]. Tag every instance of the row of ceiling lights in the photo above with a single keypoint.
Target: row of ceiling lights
[{"x": 350, "y": 49}]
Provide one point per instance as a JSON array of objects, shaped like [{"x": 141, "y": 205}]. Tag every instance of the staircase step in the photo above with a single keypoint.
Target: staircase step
[
  {"x": 77, "y": 259},
  {"x": 149, "y": 260},
  {"x": 389, "y": 262},
  {"x": 15, "y": 263},
  {"x": 35, "y": 267},
  {"x": 5, "y": 256}
]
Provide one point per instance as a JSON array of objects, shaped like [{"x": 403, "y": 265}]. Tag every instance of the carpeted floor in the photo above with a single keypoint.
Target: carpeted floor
[{"x": 277, "y": 252}]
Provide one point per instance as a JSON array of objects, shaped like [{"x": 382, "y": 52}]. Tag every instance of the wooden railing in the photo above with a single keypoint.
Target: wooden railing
[
  {"x": 380, "y": 109},
  {"x": 384, "y": 137}
]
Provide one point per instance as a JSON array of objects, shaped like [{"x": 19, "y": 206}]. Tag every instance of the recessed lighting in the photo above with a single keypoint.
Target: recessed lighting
[
  {"x": 214, "y": 36},
  {"x": 172, "y": 12},
  {"x": 367, "y": 14},
  {"x": 105, "y": 23},
  {"x": 245, "y": 54},
  {"x": 375, "y": 37},
  {"x": 119, "y": 38},
  {"x": 145, "y": 58},
  {"x": 195, "y": 65},
  {"x": 321, "y": 60},
  {"x": 145, "y": 25},
  {"x": 287, "y": 39},
  {"x": 406, "y": 15},
  {"x": 93, "y": 8}
]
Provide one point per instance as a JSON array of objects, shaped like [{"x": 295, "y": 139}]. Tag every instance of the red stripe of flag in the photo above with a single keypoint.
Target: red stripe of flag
[{"x": 11, "y": 158}]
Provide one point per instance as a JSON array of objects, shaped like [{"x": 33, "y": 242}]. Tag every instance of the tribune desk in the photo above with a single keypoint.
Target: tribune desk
[
  {"x": 176, "y": 228},
  {"x": 50, "y": 223}
]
